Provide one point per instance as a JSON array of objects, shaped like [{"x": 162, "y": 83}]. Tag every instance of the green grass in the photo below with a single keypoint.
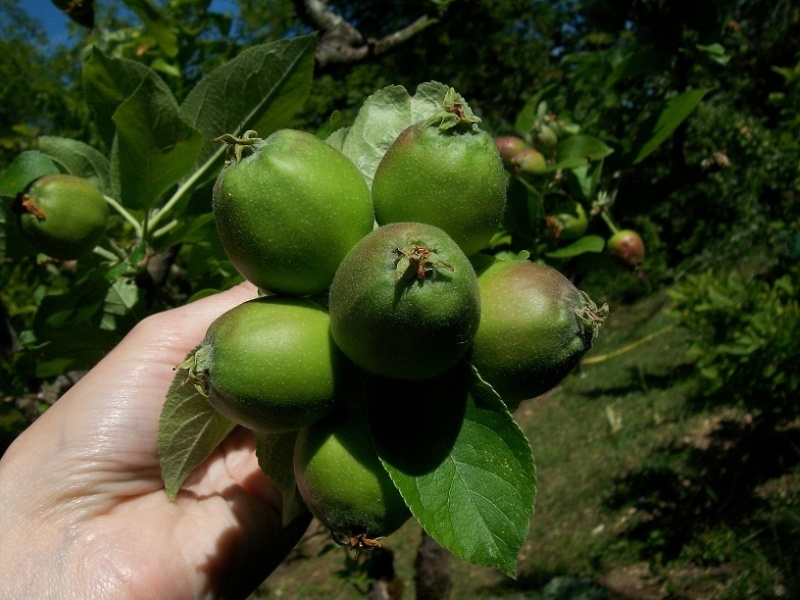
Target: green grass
[{"x": 645, "y": 490}]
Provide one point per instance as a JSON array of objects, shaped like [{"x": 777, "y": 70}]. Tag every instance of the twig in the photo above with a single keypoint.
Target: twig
[
  {"x": 342, "y": 43},
  {"x": 596, "y": 359}
]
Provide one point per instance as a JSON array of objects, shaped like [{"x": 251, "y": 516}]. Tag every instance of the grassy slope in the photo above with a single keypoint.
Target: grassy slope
[{"x": 643, "y": 490}]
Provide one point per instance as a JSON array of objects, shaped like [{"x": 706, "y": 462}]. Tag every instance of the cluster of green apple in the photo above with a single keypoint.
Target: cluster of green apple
[
  {"x": 371, "y": 289},
  {"x": 534, "y": 156}
]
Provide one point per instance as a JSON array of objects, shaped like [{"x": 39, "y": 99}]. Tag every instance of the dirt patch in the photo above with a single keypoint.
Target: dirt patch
[
  {"x": 702, "y": 438},
  {"x": 638, "y": 582},
  {"x": 633, "y": 581}
]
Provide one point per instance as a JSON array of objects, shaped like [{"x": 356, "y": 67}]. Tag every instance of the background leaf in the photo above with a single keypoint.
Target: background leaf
[
  {"x": 107, "y": 82},
  {"x": 57, "y": 338},
  {"x": 716, "y": 53},
  {"x": 123, "y": 305},
  {"x": 259, "y": 89},
  {"x": 155, "y": 148},
  {"x": 526, "y": 118},
  {"x": 584, "y": 180},
  {"x": 657, "y": 129},
  {"x": 79, "y": 159},
  {"x": 68, "y": 349},
  {"x": 5, "y": 219},
  {"x": 461, "y": 463},
  {"x": 587, "y": 243},
  {"x": 576, "y": 150},
  {"x": 27, "y": 166},
  {"x": 643, "y": 59},
  {"x": 275, "y": 452},
  {"x": 189, "y": 430},
  {"x": 154, "y": 19}
]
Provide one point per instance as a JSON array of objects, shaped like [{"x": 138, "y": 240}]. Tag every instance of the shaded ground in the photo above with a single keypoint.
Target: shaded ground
[{"x": 645, "y": 491}]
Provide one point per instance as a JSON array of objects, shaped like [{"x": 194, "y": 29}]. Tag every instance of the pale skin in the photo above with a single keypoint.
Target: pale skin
[{"x": 83, "y": 511}]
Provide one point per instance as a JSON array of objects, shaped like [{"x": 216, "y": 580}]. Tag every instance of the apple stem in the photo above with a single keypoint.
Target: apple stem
[
  {"x": 604, "y": 214},
  {"x": 113, "y": 203},
  {"x": 107, "y": 254}
]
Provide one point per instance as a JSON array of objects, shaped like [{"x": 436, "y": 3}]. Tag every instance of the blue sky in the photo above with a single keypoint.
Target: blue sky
[{"x": 55, "y": 22}]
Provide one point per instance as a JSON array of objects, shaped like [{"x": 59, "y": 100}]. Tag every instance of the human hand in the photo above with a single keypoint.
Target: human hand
[{"x": 83, "y": 511}]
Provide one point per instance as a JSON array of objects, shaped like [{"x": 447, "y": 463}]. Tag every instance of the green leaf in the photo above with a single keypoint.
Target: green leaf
[
  {"x": 641, "y": 61},
  {"x": 192, "y": 230},
  {"x": 189, "y": 430},
  {"x": 456, "y": 114},
  {"x": 70, "y": 348},
  {"x": 5, "y": 219},
  {"x": 461, "y": 463},
  {"x": 131, "y": 265},
  {"x": 333, "y": 124},
  {"x": 155, "y": 148},
  {"x": 123, "y": 305},
  {"x": 12, "y": 420},
  {"x": 65, "y": 333},
  {"x": 162, "y": 66},
  {"x": 275, "y": 452},
  {"x": 27, "y": 166},
  {"x": 81, "y": 304},
  {"x": 79, "y": 159},
  {"x": 427, "y": 101},
  {"x": 380, "y": 120},
  {"x": 716, "y": 53},
  {"x": 583, "y": 181},
  {"x": 107, "y": 82},
  {"x": 658, "y": 128},
  {"x": 587, "y": 243},
  {"x": 524, "y": 210},
  {"x": 337, "y": 138},
  {"x": 576, "y": 150},
  {"x": 155, "y": 20},
  {"x": 382, "y": 117},
  {"x": 526, "y": 118},
  {"x": 261, "y": 89}
]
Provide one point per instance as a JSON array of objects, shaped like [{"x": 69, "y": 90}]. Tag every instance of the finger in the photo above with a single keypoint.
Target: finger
[
  {"x": 143, "y": 361},
  {"x": 170, "y": 335},
  {"x": 113, "y": 411}
]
